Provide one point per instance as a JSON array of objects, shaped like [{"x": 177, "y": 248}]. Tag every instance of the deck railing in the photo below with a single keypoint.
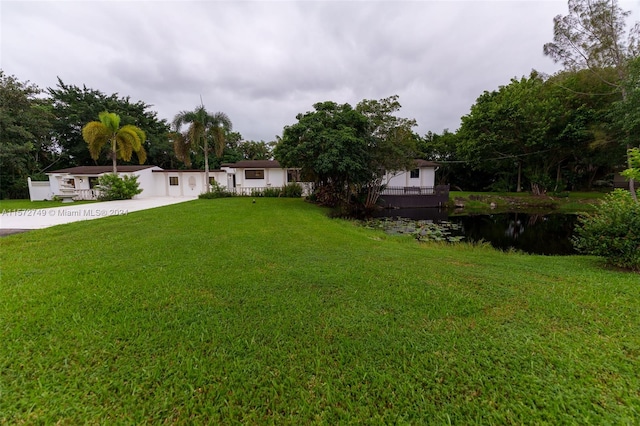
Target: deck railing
[
  {"x": 266, "y": 190},
  {"x": 414, "y": 196},
  {"x": 86, "y": 194},
  {"x": 408, "y": 190}
]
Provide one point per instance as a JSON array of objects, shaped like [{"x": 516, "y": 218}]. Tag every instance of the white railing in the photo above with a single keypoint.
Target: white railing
[
  {"x": 86, "y": 194},
  {"x": 259, "y": 191}
]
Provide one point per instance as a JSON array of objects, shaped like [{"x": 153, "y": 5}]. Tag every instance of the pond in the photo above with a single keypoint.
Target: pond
[{"x": 544, "y": 233}]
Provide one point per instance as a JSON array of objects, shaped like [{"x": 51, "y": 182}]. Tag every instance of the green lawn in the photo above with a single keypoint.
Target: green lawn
[
  {"x": 13, "y": 205},
  {"x": 223, "y": 311}
]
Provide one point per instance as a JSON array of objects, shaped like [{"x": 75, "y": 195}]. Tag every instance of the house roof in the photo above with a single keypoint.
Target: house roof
[
  {"x": 186, "y": 171},
  {"x": 98, "y": 170},
  {"x": 425, "y": 163},
  {"x": 254, "y": 164}
]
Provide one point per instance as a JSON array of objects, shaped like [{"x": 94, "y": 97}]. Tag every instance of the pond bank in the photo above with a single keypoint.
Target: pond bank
[{"x": 487, "y": 202}]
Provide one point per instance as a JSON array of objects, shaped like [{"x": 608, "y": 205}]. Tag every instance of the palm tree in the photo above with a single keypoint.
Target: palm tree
[
  {"x": 124, "y": 140},
  {"x": 202, "y": 127}
]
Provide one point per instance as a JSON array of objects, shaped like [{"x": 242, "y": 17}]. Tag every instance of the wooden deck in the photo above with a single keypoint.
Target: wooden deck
[{"x": 401, "y": 197}]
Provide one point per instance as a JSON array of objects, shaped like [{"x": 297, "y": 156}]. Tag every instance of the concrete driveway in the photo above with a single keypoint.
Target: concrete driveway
[{"x": 12, "y": 222}]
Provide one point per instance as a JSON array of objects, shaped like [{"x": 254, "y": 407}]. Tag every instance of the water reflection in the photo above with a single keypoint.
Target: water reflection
[{"x": 548, "y": 234}]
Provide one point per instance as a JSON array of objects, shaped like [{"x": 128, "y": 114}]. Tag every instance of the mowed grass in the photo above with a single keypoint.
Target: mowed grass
[
  {"x": 8, "y": 206},
  {"x": 223, "y": 311}
]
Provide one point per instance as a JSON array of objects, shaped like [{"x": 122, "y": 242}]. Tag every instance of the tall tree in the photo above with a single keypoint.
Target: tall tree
[
  {"x": 203, "y": 128},
  {"x": 594, "y": 36},
  {"x": 26, "y": 148},
  {"x": 506, "y": 130},
  {"x": 346, "y": 151},
  {"x": 330, "y": 145},
  {"x": 75, "y": 106},
  {"x": 443, "y": 149},
  {"x": 122, "y": 141},
  {"x": 392, "y": 143},
  {"x": 254, "y": 150}
]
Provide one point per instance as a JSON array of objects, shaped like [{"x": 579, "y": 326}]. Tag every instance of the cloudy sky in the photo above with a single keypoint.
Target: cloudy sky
[{"x": 263, "y": 62}]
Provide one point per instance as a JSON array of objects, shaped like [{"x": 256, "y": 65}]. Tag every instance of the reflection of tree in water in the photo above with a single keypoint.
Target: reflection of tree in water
[
  {"x": 516, "y": 226},
  {"x": 532, "y": 233}
]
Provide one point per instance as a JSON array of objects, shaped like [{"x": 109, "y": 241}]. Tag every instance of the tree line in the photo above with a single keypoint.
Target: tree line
[
  {"x": 568, "y": 131},
  {"x": 41, "y": 131}
]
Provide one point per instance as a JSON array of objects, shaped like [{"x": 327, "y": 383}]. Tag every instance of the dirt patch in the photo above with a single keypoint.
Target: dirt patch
[{"x": 5, "y": 232}]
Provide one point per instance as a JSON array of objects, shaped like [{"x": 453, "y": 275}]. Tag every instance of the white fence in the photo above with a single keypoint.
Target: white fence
[{"x": 39, "y": 190}]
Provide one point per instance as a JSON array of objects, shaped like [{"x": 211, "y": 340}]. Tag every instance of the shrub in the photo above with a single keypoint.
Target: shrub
[
  {"x": 292, "y": 190},
  {"x": 271, "y": 192},
  {"x": 613, "y": 231},
  {"x": 114, "y": 187},
  {"x": 217, "y": 191}
]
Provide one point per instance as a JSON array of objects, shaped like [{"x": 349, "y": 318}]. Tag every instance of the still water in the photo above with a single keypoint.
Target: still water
[{"x": 548, "y": 234}]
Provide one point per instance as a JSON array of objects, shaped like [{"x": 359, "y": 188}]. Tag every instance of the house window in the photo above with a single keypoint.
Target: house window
[
  {"x": 415, "y": 173},
  {"x": 212, "y": 181},
  {"x": 254, "y": 174},
  {"x": 173, "y": 180},
  {"x": 293, "y": 175},
  {"x": 93, "y": 181}
]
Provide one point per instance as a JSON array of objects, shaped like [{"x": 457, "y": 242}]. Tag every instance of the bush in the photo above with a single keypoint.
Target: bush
[
  {"x": 613, "y": 231},
  {"x": 217, "y": 191},
  {"x": 292, "y": 190},
  {"x": 113, "y": 187},
  {"x": 271, "y": 192}
]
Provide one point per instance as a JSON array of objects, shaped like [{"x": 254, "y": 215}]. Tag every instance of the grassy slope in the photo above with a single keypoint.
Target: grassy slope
[
  {"x": 12, "y": 205},
  {"x": 223, "y": 310}
]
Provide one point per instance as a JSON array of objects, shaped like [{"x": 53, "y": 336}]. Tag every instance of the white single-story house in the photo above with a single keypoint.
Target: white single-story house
[
  {"x": 248, "y": 175},
  {"x": 422, "y": 176},
  {"x": 241, "y": 177}
]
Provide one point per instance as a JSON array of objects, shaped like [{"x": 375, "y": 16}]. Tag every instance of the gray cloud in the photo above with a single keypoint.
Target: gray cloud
[{"x": 263, "y": 62}]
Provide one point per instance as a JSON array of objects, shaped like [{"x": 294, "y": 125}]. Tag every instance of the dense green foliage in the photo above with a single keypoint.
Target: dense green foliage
[
  {"x": 217, "y": 191},
  {"x": 330, "y": 146},
  {"x": 25, "y": 121},
  {"x": 292, "y": 190},
  {"x": 613, "y": 231},
  {"x": 301, "y": 319},
  {"x": 113, "y": 187},
  {"x": 569, "y": 131},
  {"x": 593, "y": 36},
  {"x": 74, "y": 107},
  {"x": 345, "y": 152},
  {"x": 633, "y": 172},
  {"x": 542, "y": 134}
]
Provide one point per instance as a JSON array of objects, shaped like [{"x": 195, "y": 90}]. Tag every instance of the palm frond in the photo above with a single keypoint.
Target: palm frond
[
  {"x": 181, "y": 147},
  {"x": 96, "y": 135},
  {"x": 220, "y": 119},
  {"x": 202, "y": 125},
  {"x": 110, "y": 120},
  {"x": 217, "y": 134},
  {"x": 128, "y": 141}
]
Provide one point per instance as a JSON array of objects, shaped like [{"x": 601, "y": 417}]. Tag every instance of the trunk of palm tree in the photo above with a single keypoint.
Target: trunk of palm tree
[
  {"x": 114, "y": 155},
  {"x": 632, "y": 186},
  {"x": 206, "y": 166}
]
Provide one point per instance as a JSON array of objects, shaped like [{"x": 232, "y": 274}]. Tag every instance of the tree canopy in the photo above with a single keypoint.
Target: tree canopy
[
  {"x": 25, "y": 146},
  {"x": 344, "y": 150},
  {"x": 73, "y": 107},
  {"x": 594, "y": 36}
]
